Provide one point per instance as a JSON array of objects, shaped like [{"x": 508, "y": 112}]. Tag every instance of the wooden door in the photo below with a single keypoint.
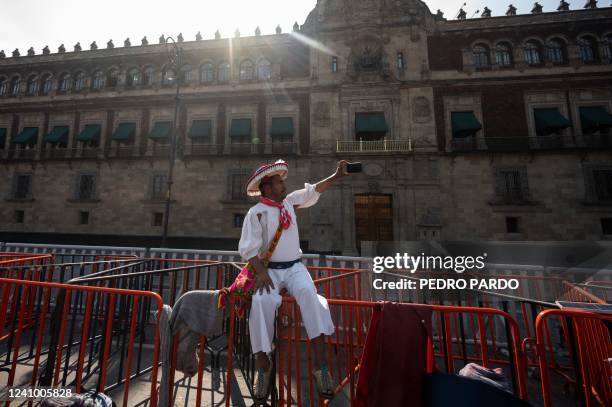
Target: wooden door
[{"x": 373, "y": 218}]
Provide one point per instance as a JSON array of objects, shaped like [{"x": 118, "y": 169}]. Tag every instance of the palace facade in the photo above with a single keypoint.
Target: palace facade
[{"x": 488, "y": 128}]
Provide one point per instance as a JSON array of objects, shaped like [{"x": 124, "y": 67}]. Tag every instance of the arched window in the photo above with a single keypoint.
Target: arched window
[
  {"x": 531, "y": 51},
  {"x": 480, "y": 55},
  {"x": 149, "y": 75},
  {"x": 503, "y": 54},
  {"x": 3, "y": 86},
  {"x": 187, "y": 74},
  {"x": 168, "y": 77},
  {"x": 47, "y": 84},
  {"x": 98, "y": 80},
  {"x": 133, "y": 77},
  {"x": 15, "y": 84},
  {"x": 112, "y": 77},
  {"x": 79, "y": 81},
  {"x": 264, "y": 70},
  {"x": 32, "y": 87},
  {"x": 586, "y": 46},
  {"x": 65, "y": 83},
  {"x": 246, "y": 70},
  {"x": 224, "y": 72},
  {"x": 207, "y": 72},
  {"x": 555, "y": 51}
]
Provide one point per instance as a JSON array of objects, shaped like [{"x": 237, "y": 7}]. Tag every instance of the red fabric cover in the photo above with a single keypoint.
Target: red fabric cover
[{"x": 398, "y": 353}]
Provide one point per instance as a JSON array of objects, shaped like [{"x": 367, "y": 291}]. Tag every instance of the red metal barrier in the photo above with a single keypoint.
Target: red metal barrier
[
  {"x": 344, "y": 348},
  {"x": 15, "y": 265},
  {"x": 110, "y": 310},
  {"x": 593, "y": 352},
  {"x": 601, "y": 289},
  {"x": 25, "y": 266}
]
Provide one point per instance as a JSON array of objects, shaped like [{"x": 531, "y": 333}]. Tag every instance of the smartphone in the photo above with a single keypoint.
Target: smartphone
[{"x": 353, "y": 167}]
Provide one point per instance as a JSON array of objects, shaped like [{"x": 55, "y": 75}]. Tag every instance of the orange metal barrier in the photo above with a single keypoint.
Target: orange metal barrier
[
  {"x": 333, "y": 283},
  {"x": 601, "y": 289},
  {"x": 593, "y": 354},
  {"x": 534, "y": 294},
  {"x": 344, "y": 348},
  {"x": 81, "y": 350},
  {"x": 15, "y": 265}
]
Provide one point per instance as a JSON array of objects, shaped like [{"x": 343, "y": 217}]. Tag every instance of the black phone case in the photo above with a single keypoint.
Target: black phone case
[{"x": 353, "y": 167}]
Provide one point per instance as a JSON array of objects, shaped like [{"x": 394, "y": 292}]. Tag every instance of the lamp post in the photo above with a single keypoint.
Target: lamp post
[{"x": 174, "y": 61}]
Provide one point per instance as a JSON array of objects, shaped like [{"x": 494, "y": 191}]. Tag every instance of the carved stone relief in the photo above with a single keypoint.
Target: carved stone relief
[
  {"x": 372, "y": 170},
  {"x": 421, "y": 110},
  {"x": 321, "y": 114}
]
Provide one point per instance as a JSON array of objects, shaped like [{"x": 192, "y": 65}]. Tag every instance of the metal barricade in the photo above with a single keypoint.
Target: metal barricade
[
  {"x": 102, "y": 347},
  {"x": 601, "y": 289},
  {"x": 343, "y": 349},
  {"x": 590, "y": 335}
]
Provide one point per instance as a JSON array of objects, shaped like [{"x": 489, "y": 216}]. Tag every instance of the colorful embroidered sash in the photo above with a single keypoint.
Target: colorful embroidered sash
[{"x": 242, "y": 287}]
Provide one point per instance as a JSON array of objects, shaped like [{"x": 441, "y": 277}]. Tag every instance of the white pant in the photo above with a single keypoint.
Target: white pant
[{"x": 314, "y": 308}]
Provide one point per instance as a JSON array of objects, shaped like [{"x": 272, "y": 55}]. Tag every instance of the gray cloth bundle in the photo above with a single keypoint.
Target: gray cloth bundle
[{"x": 195, "y": 313}]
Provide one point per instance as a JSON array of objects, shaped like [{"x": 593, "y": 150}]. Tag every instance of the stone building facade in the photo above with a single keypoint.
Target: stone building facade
[{"x": 483, "y": 128}]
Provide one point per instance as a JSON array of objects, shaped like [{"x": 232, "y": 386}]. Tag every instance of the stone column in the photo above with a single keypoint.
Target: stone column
[
  {"x": 41, "y": 136},
  {"x": 144, "y": 132},
  {"x": 347, "y": 204},
  {"x": 304, "y": 125},
  {"x": 72, "y": 143},
  {"x": 221, "y": 125},
  {"x": 110, "y": 123},
  {"x": 346, "y": 121}
]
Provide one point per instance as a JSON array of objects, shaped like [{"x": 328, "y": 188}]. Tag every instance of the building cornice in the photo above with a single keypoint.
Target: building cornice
[
  {"x": 521, "y": 20},
  {"x": 149, "y": 50}
]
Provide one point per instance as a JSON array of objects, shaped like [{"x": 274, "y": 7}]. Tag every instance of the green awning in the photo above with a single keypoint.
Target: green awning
[
  {"x": 281, "y": 126},
  {"x": 161, "y": 131},
  {"x": 370, "y": 123},
  {"x": 125, "y": 131},
  {"x": 464, "y": 123},
  {"x": 2, "y": 136},
  {"x": 549, "y": 118},
  {"x": 240, "y": 128},
  {"x": 90, "y": 132},
  {"x": 593, "y": 117},
  {"x": 200, "y": 129},
  {"x": 59, "y": 134},
  {"x": 27, "y": 135}
]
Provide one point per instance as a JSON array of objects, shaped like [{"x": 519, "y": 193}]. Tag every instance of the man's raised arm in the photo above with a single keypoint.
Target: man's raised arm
[{"x": 327, "y": 182}]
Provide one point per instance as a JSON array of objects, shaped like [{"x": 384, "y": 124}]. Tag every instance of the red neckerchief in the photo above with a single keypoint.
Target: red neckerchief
[{"x": 285, "y": 217}]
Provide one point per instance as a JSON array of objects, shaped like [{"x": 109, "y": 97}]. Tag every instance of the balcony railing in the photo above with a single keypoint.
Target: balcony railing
[
  {"x": 162, "y": 150},
  {"x": 376, "y": 146},
  {"x": 246, "y": 148},
  {"x": 202, "y": 149},
  {"x": 283, "y": 148},
  {"x": 597, "y": 140},
  {"x": 122, "y": 151},
  {"x": 89, "y": 152},
  {"x": 22, "y": 154},
  {"x": 59, "y": 152},
  {"x": 549, "y": 142}
]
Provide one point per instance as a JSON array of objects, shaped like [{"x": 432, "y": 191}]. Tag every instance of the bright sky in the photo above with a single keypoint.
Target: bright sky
[{"x": 37, "y": 23}]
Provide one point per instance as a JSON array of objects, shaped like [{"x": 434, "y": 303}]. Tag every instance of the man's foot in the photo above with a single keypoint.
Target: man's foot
[
  {"x": 324, "y": 383},
  {"x": 261, "y": 387}
]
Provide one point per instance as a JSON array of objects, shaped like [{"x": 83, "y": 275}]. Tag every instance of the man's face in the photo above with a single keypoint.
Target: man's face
[{"x": 276, "y": 189}]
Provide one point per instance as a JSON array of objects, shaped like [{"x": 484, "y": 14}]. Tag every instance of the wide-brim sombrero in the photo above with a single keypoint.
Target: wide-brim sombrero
[{"x": 267, "y": 170}]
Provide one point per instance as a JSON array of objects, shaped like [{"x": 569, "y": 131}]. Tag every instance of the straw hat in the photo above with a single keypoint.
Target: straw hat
[{"x": 267, "y": 170}]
